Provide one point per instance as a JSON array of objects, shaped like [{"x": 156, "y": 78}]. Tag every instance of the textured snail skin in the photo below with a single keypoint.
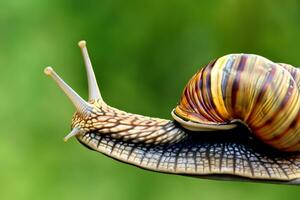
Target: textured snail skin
[
  {"x": 164, "y": 146},
  {"x": 230, "y": 152},
  {"x": 248, "y": 88}
]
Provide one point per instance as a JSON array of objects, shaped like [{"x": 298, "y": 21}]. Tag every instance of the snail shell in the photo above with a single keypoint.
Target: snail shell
[{"x": 245, "y": 88}]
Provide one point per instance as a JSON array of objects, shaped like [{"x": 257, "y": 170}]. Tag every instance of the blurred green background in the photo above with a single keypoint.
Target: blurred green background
[{"x": 143, "y": 53}]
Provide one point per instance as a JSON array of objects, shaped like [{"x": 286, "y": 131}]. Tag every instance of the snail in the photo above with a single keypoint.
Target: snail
[{"x": 238, "y": 119}]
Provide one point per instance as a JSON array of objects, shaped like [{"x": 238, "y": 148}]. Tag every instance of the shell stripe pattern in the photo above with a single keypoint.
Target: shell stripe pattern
[{"x": 251, "y": 89}]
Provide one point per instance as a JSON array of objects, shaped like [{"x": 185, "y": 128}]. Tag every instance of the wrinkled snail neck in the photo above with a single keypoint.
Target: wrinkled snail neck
[{"x": 96, "y": 115}]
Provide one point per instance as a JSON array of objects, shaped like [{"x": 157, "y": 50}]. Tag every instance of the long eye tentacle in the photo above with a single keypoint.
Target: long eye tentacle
[
  {"x": 80, "y": 104},
  {"x": 94, "y": 92}
]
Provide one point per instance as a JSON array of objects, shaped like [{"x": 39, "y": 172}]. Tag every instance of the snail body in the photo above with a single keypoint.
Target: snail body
[{"x": 206, "y": 138}]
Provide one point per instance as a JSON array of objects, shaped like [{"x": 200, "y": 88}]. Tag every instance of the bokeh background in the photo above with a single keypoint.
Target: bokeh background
[{"x": 143, "y": 53}]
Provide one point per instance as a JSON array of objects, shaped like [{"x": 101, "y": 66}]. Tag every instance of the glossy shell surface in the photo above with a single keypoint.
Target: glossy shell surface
[{"x": 248, "y": 88}]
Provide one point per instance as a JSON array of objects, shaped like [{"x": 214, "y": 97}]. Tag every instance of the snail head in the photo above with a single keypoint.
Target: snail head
[{"x": 85, "y": 110}]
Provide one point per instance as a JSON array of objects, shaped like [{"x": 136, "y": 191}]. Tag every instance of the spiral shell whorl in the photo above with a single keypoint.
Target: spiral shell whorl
[{"x": 248, "y": 88}]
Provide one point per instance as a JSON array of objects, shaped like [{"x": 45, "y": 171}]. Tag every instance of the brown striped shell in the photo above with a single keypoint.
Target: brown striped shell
[{"x": 247, "y": 88}]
